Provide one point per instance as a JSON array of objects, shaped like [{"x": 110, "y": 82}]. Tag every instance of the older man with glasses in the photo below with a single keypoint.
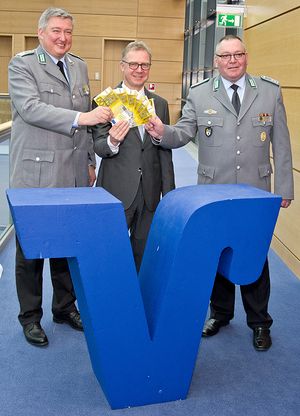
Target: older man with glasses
[
  {"x": 237, "y": 117},
  {"x": 133, "y": 169}
]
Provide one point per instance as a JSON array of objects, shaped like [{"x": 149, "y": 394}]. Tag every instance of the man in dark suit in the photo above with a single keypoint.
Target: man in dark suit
[
  {"x": 133, "y": 169},
  {"x": 50, "y": 147}
]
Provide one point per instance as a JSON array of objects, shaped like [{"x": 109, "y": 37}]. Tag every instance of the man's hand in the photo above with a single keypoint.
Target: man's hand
[
  {"x": 155, "y": 127},
  {"x": 98, "y": 115},
  {"x": 118, "y": 132},
  {"x": 92, "y": 175},
  {"x": 285, "y": 203}
]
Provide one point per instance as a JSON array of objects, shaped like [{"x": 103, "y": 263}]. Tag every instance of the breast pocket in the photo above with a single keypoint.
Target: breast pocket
[
  {"x": 37, "y": 167},
  {"x": 50, "y": 93},
  {"x": 210, "y": 130},
  {"x": 262, "y": 132}
]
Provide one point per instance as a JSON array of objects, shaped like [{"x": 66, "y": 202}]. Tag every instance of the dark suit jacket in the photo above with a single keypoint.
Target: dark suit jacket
[{"x": 120, "y": 174}]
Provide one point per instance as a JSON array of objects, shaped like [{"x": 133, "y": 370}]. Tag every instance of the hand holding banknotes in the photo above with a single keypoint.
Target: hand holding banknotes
[
  {"x": 155, "y": 127},
  {"x": 98, "y": 115},
  {"x": 118, "y": 132}
]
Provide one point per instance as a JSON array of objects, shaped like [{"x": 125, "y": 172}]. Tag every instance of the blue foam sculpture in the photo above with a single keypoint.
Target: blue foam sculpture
[{"x": 143, "y": 332}]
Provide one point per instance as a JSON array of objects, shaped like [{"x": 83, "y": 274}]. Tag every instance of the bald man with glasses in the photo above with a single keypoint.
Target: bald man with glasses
[{"x": 237, "y": 118}]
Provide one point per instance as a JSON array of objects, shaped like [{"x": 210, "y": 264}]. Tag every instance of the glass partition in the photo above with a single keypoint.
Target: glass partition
[{"x": 5, "y": 131}]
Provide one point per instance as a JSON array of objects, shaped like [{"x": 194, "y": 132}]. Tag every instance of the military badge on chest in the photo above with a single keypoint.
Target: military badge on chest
[{"x": 208, "y": 131}]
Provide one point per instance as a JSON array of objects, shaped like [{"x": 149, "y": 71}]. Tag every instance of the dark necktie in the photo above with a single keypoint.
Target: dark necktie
[
  {"x": 61, "y": 67},
  {"x": 235, "y": 98}
]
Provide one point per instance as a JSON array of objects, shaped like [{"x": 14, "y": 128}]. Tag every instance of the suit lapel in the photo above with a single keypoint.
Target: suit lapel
[
  {"x": 249, "y": 96},
  {"x": 49, "y": 65},
  {"x": 221, "y": 95},
  {"x": 72, "y": 72}
]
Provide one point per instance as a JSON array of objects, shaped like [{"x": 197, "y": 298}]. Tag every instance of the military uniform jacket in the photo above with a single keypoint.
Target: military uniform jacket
[
  {"x": 236, "y": 148},
  {"x": 121, "y": 173},
  {"x": 45, "y": 150}
]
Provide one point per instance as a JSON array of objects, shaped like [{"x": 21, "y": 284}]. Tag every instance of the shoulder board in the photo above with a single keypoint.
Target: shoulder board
[
  {"x": 268, "y": 79},
  {"x": 25, "y": 53},
  {"x": 75, "y": 56},
  {"x": 200, "y": 83}
]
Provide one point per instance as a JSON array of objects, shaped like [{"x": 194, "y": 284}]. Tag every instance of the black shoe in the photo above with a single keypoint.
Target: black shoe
[
  {"x": 72, "y": 319},
  {"x": 35, "y": 334},
  {"x": 261, "y": 339},
  {"x": 212, "y": 326}
]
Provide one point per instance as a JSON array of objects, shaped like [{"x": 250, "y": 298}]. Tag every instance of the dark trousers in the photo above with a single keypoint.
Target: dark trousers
[
  {"x": 139, "y": 220},
  {"x": 29, "y": 281},
  {"x": 255, "y": 297}
]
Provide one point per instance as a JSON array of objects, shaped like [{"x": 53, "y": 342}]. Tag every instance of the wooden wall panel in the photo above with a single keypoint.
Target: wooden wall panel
[
  {"x": 95, "y": 87},
  {"x": 31, "y": 5},
  {"x": 171, "y": 92},
  {"x": 160, "y": 28},
  {"x": 100, "y": 7},
  {"x": 168, "y": 8},
  {"x": 5, "y": 56},
  {"x": 273, "y": 45},
  {"x": 166, "y": 72},
  {"x": 165, "y": 50},
  {"x": 94, "y": 65},
  {"x": 87, "y": 46},
  {"x": 292, "y": 104},
  {"x": 273, "y": 49},
  {"x": 31, "y": 42},
  {"x": 19, "y": 22},
  {"x": 174, "y": 113},
  {"x": 288, "y": 226},
  {"x": 106, "y": 26},
  {"x": 259, "y": 11}
]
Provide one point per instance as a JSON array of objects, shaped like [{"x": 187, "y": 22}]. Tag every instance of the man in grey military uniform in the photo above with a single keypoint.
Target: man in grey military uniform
[
  {"x": 51, "y": 146},
  {"x": 237, "y": 118}
]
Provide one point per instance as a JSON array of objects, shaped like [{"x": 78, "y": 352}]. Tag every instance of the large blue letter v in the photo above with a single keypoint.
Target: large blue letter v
[{"x": 143, "y": 332}]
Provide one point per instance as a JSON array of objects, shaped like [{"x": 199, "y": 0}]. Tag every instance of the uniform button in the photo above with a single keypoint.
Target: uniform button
[
  {"x": 238, "y": 152},
  {"x": 238, "y": 138},
  {"x": 139, "y": 169},
  {"x": 51, "y": 91},
  {"x": 75, "y": 147},
  {"x": 73, "y": 96},
  {"x": 238, "y": 167},
  {"x": 37, "y": 159},
  {"x": 209, "y": 122}
]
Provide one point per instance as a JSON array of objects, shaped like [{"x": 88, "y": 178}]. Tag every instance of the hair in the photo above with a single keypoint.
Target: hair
[
  {"x": 229, "y": 37},
  {"x": 137, "y": 45},
  {"x": 53, "y": 12}
]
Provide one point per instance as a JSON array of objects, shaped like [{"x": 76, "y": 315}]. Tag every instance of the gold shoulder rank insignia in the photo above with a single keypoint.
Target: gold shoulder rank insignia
[
  {"x": 200, "y": 83},
  {"x": 269, "y": 79}
]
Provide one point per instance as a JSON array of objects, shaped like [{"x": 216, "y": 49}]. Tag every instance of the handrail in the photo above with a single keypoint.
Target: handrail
[{"x": 5, "y": 126}]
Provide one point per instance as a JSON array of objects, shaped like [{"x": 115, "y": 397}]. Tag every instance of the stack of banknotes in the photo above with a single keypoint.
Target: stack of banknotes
[{"x": 127, "y": 104}]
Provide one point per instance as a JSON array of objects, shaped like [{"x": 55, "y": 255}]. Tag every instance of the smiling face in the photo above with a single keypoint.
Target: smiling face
[
  {"x": 56, "y": 38},
  {"x": 232, "y": 69},
  {"x": 135, "y": 78}
]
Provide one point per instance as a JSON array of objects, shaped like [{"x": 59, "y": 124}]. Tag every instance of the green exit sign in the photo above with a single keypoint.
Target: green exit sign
[{"x": 230, "y": 20}]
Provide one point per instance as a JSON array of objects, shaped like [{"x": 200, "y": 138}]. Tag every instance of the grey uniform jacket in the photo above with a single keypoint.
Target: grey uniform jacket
[
  {"x": 236, "y": 149},
  {"x": 121, "y": 174},
  {"x": 45, "y": 150}
]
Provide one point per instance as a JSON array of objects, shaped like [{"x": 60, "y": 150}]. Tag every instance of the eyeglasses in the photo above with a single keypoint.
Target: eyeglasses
[
  {"x": 134, "y": 65},
  {"x": 227, "y": 56}
]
